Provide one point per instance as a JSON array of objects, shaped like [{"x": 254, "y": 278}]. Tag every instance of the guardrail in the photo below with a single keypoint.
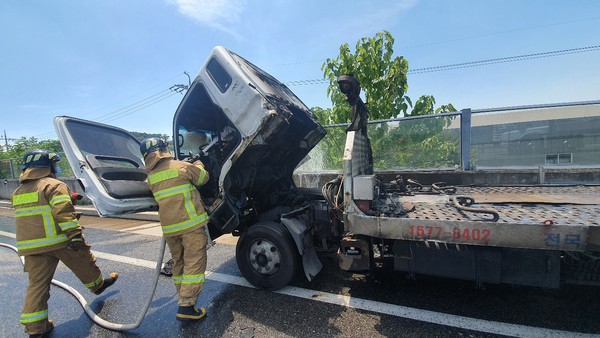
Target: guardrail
[
  {"x": 559, "y": 135},
  {"x": 556, "y": 135}
]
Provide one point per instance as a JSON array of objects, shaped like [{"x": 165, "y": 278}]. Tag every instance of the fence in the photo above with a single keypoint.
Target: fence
[
  {"x": 12, "y": 167},
  {"x": 565, "y": 135},
  {"x": 553, "y": 135}
]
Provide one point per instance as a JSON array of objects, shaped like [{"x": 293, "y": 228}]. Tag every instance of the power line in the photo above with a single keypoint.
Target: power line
[
  {"x": 117, "y": 112},
  {"x": 139, "y": 93},
  {"x": 140, "y": 107},
  {"x": 127, "y": 110},
  {"x": 506, "y": 59},
  {"x": 164, "y": 94},
  {"x": 131, "y": 108},
  {"x": 471, "y": 64},
  {"x": 433, "y": 43},
  {"x": 498, "y": 33}
]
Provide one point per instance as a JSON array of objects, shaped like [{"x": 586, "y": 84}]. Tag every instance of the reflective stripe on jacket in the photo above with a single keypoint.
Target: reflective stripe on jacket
[
  {"x": 173, "y": 184},
  {"x": 45, "y": 216}
]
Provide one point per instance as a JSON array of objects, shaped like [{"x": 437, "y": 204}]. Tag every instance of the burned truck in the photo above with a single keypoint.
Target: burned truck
[{"x": 251, "y": 132}]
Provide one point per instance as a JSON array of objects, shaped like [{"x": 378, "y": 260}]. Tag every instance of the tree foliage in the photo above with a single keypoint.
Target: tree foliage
[
  {"x": 383, "y": 80},
  {"x": 141, "y": 136},
  {"x": 10, "y": 164},
  {"x": 10, "y": 158},
  {"x": 23, "y": 145}
]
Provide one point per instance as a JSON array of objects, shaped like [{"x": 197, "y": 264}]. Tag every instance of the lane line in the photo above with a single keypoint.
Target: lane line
[
  {"x": 433, "y": 317},
  {"x": 143, "y": 227},
  {"x": 7, "y": 234}
]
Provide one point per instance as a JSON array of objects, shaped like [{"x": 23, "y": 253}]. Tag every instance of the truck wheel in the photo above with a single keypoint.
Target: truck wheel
[{"x": 266, "y": 255}]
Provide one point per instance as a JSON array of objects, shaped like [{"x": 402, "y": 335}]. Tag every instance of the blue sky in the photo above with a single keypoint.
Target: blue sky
[{"x": 114, "y": 61}]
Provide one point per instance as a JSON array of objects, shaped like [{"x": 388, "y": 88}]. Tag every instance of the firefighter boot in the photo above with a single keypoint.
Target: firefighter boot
[
  {"x": 49, "y": 328},
  {"x": 107, "y": 282},
  {"x": 190, "y": 313}
]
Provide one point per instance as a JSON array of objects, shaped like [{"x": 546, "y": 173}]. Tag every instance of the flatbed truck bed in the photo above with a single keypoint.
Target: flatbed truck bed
[
  {"x": 538, "y": 235},
  {"x": 560, "y": 217}
]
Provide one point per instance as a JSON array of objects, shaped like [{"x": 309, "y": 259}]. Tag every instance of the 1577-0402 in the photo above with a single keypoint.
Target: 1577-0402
[{"x": 457, "y": 233}]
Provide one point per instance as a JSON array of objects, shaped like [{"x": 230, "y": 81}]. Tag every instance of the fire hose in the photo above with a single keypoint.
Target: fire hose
[{"x": 88, "y": 310}]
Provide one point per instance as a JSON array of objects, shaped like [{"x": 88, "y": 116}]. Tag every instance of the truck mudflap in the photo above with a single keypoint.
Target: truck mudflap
[
  {"x": 355, "y": 254},
  {"x": 298, "y": 224}
]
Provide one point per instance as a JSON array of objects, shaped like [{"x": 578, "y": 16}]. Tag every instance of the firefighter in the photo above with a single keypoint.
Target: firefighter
[
  {"x": 48, "y": 231},
  {"x": 183, "y": 220}
]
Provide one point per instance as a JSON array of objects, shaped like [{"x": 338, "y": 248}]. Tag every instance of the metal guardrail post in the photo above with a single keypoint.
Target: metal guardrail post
[
  {"x": 12, "y": 169},
  {"x": 465, "y": 138},
  {"x": 541, "y": 175}
]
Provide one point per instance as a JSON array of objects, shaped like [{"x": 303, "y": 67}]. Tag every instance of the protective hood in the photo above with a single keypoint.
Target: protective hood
[
  {"x": 34, "y": 173},
  {"x": 153, "y": 158}
]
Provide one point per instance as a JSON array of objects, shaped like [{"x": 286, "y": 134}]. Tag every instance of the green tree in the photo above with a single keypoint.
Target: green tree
[
  {"x": 384, "y": 85},
  {"x": 15, "y": 153},
  {"x": 382, "y": 78},
  {"x": 23, "y": 144},
  {"x": 141, "y": 136},
  {"x": 10, "y": 159}
]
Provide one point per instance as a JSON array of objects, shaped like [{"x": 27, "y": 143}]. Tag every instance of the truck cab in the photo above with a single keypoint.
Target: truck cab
[{"x": 251, "y": 132}]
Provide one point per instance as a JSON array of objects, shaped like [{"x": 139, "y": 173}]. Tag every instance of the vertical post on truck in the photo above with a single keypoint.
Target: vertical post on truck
[{"x": 465, "y": 138}]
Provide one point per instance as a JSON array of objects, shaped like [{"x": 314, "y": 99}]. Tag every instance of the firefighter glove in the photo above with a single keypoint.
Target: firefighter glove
[
  {"x": 75, "y": 196},
  {"x": 192, "y": 158},
  {"x": 76, "y": 243}
]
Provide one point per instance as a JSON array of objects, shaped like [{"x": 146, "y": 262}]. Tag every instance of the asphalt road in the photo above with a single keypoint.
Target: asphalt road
[{"x": 335, "y": 304}]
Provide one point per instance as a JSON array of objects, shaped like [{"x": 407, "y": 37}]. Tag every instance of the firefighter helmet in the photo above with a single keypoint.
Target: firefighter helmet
[
  {"x": 40, "y": 158},
  {"x": 152, "y": 144}
]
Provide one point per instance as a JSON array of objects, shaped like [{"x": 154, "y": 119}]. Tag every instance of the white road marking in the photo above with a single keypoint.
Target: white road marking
[
  {"x": 143, "y": 226},
  {"x": 7, "y": 234},
  {"x": 147, "y": 229},
  {"x": 433, "y": 317}
]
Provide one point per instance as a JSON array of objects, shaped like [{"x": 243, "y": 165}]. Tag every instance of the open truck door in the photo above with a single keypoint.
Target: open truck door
[{"x": 107, "y": 162}]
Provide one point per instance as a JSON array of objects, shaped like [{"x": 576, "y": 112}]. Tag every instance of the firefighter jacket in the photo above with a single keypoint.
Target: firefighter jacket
[
  {"x": 173, "y": 184},
  {"x": 45, "y": 216}
]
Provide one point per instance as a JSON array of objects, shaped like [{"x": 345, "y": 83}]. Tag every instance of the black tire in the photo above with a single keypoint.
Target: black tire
[{"x": 267, "y": 256}]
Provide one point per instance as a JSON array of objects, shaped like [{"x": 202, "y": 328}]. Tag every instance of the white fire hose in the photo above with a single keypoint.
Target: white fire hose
[{"x": 93, "y": 316}]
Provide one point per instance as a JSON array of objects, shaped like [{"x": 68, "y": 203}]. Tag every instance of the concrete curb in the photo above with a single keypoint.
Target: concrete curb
[{"x": 91, "y": 211}]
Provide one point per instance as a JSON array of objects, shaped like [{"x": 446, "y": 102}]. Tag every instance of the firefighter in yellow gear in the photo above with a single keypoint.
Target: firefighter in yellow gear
[
  {"x": 183, "y": 220},
  {"x": 48, "y": 231}
]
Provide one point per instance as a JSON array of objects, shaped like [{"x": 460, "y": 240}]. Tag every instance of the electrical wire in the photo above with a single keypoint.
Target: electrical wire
[
  {"x": 129, "y": 109},
  {"x": 471, "y": 64},
  {"x": 137, "y": 94},
  {"x": 434, "y": 43},
  {"x": 142, "y": 101},
  {"x": 505, "y": 59},
  {"x": 163, "y": 95},
  {"x": 138, "y": 107}
]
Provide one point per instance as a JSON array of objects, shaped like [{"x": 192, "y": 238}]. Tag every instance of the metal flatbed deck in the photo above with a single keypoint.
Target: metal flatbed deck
[{"x": 529, "y": 217}]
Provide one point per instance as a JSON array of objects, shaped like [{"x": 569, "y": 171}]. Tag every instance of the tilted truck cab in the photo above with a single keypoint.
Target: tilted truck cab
[{"x": 251, "y": 132}]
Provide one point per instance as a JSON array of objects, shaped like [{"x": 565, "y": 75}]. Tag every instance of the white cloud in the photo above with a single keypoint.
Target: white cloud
[
  {"x": 219, "y": 14},
  {"x": 382, "y": 15}
]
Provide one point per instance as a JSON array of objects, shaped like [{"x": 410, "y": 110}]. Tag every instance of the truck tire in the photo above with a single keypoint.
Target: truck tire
[{"x": 266, "y": 255}]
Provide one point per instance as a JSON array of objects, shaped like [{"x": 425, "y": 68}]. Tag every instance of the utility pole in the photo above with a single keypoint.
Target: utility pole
[
  {"x": 6, "y": 139},
  {"x": 10, "y": 162},
  {"x": 189, "y": 79},
  {"x": 181, "y": 88}
]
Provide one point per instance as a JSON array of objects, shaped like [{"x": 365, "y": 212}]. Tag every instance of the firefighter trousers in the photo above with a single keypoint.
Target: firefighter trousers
[
  {"x": 41, "y": 268},
  {"x": 189, "y": 264}
]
